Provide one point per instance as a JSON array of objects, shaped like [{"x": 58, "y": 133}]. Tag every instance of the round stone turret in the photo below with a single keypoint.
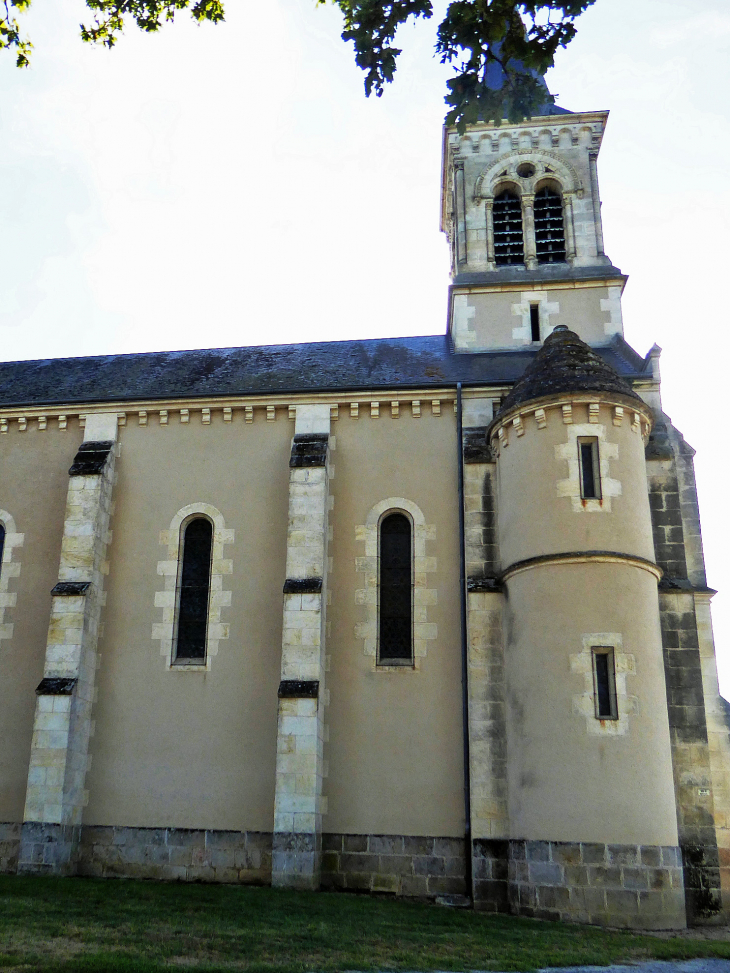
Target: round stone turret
[{"x": 587, "y": 727}]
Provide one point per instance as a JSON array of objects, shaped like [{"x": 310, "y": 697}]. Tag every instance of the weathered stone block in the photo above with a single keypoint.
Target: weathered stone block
[
  {"x": 604, "y": 876},
  {"x": 537, "y": 851},
  {"x": 623, "y": 854},
  {"x": 566, "y": 853},
  {"x": 621, "y": 904},
  {"x": 546, "y": 873},
  {"x": 428, "y": 865},
  {"x": 355, "y": 842},
  {"x": 384, "y": 844}
]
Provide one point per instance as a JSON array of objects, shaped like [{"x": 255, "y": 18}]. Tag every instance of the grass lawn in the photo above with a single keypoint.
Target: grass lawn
[{"x": 78, "y": 924}]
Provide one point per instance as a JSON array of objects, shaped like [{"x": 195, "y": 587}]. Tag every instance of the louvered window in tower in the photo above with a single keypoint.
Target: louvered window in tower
[
  {"x": 549, "y": 230},
  {"x": 194, "y": 591},
  {"x": 507, "y": 223},
  {"x": 396, "y": 585}
]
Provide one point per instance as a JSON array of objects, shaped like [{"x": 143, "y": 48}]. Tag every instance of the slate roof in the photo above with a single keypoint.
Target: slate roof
[
  {"x": 333, "y": 366},
  {"x": 565, "y": 363}
]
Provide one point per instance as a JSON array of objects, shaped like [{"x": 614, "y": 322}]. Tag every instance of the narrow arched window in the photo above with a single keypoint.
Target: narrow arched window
[
  {"x": 194, "y": 591},
  {"x": 2, "y": 545},
  {"x": 396, "y": 587},
  {"x": 549, "y": 229},
  {"x": 509, "y": 246}
]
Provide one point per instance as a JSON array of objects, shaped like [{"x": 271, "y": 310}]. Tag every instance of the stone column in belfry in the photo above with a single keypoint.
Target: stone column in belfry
[
  {"x": 298, "y": 807},
  {"x": 55, "y": 795}
]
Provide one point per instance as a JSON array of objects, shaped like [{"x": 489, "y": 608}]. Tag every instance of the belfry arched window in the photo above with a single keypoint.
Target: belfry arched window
[
  {"x": 193, "y": 591},
  {"x": 395, "y": 623},
  {"x": 2, "y": 545},
  {"x": 509, "y": 247},
  {"x": 549, "y": 229}
]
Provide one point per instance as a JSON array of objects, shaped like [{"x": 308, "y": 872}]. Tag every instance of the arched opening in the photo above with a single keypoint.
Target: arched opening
[
  {"x": 194, "y": 591},
  {"x": 2, "y": 545},
  {"x": 395, "y": 642},
  {"x": 549, "y": 228},
  {"x": 509, "y": 247}
]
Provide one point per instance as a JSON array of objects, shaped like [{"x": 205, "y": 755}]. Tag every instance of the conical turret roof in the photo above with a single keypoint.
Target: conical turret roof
[{"x": 565, "y": 363}]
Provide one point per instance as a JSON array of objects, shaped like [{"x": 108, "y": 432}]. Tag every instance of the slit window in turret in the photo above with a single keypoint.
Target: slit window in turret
[
  {"x": 604, "y": 683},
  {"x": 590, "y": 470}
]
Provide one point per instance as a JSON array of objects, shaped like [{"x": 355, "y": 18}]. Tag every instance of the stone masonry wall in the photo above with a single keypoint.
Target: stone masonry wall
[
  {"x": 689, "y": 677},
  {"x": 399, "y": 864},
  {"x": 9, "y": 847},
  {"x": 615, "y": 885},
  {"x": 180, "y": 854}
]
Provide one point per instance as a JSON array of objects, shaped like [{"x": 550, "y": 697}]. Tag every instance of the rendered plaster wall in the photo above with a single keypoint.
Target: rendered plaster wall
[
  {"x": 482, "y": 320},
  {"x": 395, "y": 739},
  {"x": 187, "y": 748},
  {"x": 33, "y": 483},
  {"x": 571, "y": 776},
  {"x": 538, "y": 472}
]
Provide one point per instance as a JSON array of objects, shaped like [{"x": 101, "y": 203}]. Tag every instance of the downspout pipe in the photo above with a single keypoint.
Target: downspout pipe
[{"x": 468, "y": 879}]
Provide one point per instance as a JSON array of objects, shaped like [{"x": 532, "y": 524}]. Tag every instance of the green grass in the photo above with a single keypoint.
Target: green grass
[{"x": 86, "y": 924}]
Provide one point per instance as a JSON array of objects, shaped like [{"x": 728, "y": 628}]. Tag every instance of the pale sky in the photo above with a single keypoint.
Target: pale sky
[{"x": 231, "y": 185}]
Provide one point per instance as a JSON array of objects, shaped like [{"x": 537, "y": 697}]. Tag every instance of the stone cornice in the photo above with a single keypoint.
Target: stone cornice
[{"x": 512, "y": 424}]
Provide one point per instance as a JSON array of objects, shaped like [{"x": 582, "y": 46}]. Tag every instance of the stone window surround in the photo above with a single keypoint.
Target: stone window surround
[
  {"x": 423, "y": 597},
  {"x": 584, "y": 703},
  {"x": 169, "y": 569},
  {"x": 550, "y": 170},
  {"x": 9, "y": 568},
  {"x": 570, "y": 486}
]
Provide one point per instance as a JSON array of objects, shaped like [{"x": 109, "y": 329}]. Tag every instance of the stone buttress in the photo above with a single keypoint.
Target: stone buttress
[
  {"x": 298, "y": 806},
  {"x": 697, "y": 720},
  {"x": 55, "y": 796},
  {"x": 485, "y": 647}
]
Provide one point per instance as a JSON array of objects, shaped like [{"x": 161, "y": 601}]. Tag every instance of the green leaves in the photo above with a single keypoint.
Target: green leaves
[
  {"x": 10, "y": 36},
  {"x": 371, "y": 26},
  {"x": 148, "y": 15},
  {"x": 499, "y": 48}
]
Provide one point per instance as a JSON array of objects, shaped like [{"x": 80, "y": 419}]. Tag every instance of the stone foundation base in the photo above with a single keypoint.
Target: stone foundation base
[
  {"x": 402, "y": 865},
  {"x": 9, "y": 847},
  {"x": 631, "y": 886},
  {"x": 48, "y": 849},
  {"x": 296, "y": 861},
  {"x": 182, "y": 854}
]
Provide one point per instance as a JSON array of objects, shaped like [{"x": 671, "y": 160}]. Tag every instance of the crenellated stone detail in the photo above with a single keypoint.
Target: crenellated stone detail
[{"x": 501, "y": 431}]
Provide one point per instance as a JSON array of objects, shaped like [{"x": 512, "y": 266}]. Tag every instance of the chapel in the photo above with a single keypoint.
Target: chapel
[{"x": 422, "y": 616}]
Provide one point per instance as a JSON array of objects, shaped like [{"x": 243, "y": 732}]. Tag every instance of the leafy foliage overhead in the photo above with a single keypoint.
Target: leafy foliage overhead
[{"x": 499, "y": 48}]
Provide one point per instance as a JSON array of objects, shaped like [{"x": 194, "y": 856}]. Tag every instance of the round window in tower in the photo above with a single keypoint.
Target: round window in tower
[{"x": 525, "y": 170}]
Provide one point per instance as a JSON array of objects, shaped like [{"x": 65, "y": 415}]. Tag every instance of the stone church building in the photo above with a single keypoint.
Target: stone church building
[{"x": 425, "y": 616}]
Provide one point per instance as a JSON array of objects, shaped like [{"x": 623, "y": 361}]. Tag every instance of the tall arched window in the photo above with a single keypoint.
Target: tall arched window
[
  {"x": 396, "y": 586},
  {"x": 194, "y": 591},
  {"x": 2, "y": 545},
  {"x": 549, "y": 230},
  {"x": 509, "y": 246}
]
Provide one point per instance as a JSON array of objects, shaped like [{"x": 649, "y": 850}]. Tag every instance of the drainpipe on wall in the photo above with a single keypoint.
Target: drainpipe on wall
[{"x": 464, "y": 652}]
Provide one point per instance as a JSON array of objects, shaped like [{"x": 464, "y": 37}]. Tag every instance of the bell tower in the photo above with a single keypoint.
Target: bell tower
[{"x": 521, "y": 208}]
